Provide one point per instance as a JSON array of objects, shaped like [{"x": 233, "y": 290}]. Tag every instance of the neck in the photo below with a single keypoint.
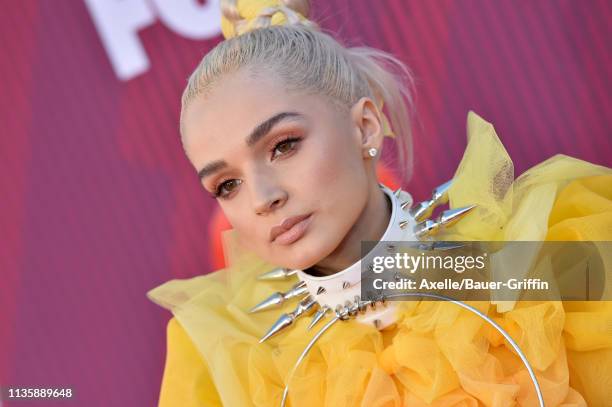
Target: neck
[{"x": 370, "y": 225}]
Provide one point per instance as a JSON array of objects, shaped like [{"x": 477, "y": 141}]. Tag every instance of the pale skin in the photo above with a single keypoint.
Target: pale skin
[{"x": 315, "y": 162}]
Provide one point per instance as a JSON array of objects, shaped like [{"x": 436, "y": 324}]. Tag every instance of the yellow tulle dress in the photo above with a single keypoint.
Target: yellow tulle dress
[{"x": 437, "y": 354}]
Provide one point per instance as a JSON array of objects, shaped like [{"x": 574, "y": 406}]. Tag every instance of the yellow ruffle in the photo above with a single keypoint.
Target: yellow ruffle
[{"x": 437, "y": 354}]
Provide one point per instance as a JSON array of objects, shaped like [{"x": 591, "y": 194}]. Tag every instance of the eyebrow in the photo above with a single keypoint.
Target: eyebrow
[{"x": 259, "y": 132}]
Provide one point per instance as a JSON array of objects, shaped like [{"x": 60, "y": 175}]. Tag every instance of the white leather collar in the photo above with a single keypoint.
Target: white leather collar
[{"x": 344, "y": 285}]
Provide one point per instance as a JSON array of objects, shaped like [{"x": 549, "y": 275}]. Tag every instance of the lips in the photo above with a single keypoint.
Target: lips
[{"x": 290, "y": 230}]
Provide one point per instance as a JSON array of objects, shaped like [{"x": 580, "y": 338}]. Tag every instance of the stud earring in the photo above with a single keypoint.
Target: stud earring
[{"x": 372, "y": 152}]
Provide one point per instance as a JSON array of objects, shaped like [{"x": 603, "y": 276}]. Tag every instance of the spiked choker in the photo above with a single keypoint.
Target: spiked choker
[
  {"x": 339, "y": 293},
  {"x": 337, "y": 289}
]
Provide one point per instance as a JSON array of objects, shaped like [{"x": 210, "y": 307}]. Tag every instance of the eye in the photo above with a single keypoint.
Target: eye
[
  {"x": 226, "y": 188},
  {"x": 285, "y": 146}
]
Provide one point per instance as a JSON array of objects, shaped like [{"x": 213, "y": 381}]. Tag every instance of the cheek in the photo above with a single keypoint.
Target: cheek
[
  {"x": 337, "y": 186},
  {"x": 336, "y": 176},
  {"x": 331, "y": 163},
  {"x": 239, "y": 220}
]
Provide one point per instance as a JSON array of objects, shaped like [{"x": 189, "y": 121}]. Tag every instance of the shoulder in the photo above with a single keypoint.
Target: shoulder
[
  {"x": 180, "y": 348},
  {"x": 176, "y": 332},
  {"x": 186, "y": 380}
]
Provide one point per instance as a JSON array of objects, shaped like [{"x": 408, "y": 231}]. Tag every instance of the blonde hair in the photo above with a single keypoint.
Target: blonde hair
[{"x": 277, "y": 36}]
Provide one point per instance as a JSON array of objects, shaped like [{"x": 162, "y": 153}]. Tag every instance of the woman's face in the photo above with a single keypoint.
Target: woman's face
[{"x": 271, "y": 155}]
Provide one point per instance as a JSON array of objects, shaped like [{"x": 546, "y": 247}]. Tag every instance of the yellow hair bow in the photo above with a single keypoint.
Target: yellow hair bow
[{"x": 238, "y": 16}]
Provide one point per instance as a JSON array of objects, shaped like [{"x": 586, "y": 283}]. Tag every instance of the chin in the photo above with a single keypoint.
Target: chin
[{"x": 296, "y": 259}]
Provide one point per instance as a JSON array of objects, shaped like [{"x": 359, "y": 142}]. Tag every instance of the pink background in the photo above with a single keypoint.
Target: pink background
[{"x": 98, "y": 203}]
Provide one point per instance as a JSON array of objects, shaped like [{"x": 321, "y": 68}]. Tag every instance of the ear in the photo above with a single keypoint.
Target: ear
[{"x": 367, "y": 118}]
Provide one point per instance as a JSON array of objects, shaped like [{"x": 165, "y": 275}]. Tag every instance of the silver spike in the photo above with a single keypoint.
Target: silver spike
[
  {"x": 405, "y": 205},
  {"x": 321, "y": 290},
  {"x": 446, "y": 219},
  {"x": 304, "y": 307},
  {"x": 346, "y": 285},
  {"x": 447, "y": 245},
  {"x": 318, "y": 316},
  {"x": 397, "y": 192},
  {"x": 403, "y": 224},
  {"x": 422, "y": 210},
  {"x": 377, "y": 323},
  {"x": 277, "y": 274},
  {"x": 278, "y": 298},
  {"x": 440, "y": 193},
  {"x": 439, "y": 196},
  {"x": 451, "y": 216}
]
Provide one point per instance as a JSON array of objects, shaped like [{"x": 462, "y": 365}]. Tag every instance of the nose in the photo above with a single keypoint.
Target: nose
[{"x": 267, "y": 196}]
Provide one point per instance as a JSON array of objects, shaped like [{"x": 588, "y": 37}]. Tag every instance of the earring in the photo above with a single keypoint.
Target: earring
[{"x": 372, "y": 152}]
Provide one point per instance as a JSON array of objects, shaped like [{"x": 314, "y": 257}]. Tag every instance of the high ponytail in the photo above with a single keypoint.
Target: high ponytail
[{"x": 277, "y": 36}]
